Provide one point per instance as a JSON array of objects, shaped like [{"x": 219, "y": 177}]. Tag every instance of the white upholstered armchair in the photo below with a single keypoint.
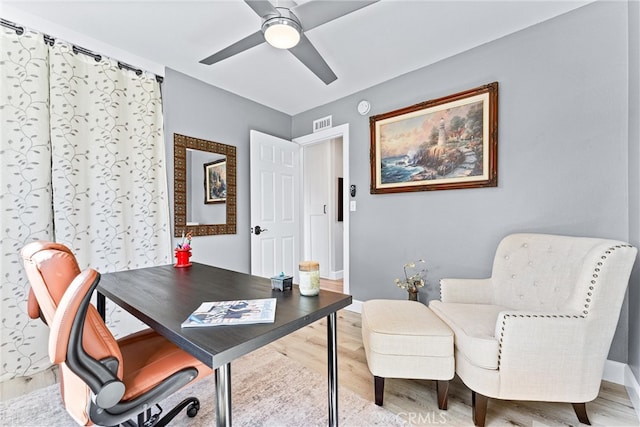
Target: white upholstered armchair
[{"x": 540, "y": 328}]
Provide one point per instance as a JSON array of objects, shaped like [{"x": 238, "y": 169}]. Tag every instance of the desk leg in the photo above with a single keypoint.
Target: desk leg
[
  {"x": 223, "y": 395},
  {"x": 101, "y": 305},
  {"x": 332, "y": 361}
]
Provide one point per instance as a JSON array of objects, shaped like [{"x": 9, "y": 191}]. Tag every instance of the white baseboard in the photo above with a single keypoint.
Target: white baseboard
[
  {"x": 20, "y": 386},
  {"x": 356, "y": 306},
  {"x": 336, "y": 275},
  {"x": 633, "y": 389},
  {"x": 614, "y": 372}
]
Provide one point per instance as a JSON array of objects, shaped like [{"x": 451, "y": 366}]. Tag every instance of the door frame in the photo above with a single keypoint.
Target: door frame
[{"x": 324, "y": 135}]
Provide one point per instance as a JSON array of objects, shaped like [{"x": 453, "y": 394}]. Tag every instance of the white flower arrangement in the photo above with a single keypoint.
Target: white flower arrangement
[{"x": 413, "y": 281}]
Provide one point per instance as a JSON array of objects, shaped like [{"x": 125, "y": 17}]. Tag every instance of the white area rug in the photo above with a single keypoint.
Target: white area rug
[{"x": 268, "y": 389}]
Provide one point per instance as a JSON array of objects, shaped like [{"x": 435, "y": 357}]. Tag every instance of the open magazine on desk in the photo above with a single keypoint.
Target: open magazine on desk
[{"x": 238, "y": 312}]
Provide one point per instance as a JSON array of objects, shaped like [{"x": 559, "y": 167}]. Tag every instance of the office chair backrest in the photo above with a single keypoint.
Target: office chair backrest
[
  {"x": 64, "y": 342},
  {"x": 115, "y": 399},
  {"x": 51, "y": 268}
]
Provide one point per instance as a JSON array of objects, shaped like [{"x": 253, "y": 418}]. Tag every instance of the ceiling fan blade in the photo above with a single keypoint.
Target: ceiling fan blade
[
  {"x": 261, "y": 7},
  {"x": 246, "y": 43},
  {"x": 309, "y": 56},
  {"x": 314, "y": 13}
]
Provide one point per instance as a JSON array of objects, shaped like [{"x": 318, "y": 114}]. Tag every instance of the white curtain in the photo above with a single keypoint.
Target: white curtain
[
  {"x": 109, "y": 180},
  {"x": 25, "y": 192},
  {"x": 100, "y": 168}
]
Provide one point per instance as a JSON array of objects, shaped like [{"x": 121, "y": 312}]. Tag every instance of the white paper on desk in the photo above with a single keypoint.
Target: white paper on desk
[{"x": 238, "y": 312}]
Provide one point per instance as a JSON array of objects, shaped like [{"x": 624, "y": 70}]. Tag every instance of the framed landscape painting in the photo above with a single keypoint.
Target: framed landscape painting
[
  {"x": 215, "y": 182},
  {"x": 446, "y": 143}
]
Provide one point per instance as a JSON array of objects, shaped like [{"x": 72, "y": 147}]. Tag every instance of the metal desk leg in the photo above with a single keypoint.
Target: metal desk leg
[
  {"x": 223, "y": 395},
  {"x": 332, "y": 361}
]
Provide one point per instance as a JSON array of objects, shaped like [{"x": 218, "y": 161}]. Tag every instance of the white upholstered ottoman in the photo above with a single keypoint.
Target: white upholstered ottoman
[{"x": 405, "y": 339}]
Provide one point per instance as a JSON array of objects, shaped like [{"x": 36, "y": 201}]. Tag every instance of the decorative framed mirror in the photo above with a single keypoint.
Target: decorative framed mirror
[{"x": 203, "y": 171}]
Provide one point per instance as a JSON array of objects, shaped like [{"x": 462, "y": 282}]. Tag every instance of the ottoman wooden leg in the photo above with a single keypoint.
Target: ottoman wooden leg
[
  {"x": 442, "y": 387},
  {"x": 379, "y": 389}
]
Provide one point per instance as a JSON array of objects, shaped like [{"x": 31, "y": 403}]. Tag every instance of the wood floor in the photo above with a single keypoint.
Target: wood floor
[
  {"x": 414, "y": 401},
  {"x": 331, "y": 285}
]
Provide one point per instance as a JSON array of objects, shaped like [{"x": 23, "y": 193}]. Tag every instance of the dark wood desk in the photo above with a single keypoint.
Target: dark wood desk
[{"x": 163, "y": 297}]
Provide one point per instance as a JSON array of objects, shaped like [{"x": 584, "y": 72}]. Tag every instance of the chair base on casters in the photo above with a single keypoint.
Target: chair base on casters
[{"x": 145, "y": 419}]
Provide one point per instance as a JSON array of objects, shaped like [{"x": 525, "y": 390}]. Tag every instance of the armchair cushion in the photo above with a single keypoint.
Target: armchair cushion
[
  {"x": 476, "y": 291},
  {"x": 474, "y": 327}
]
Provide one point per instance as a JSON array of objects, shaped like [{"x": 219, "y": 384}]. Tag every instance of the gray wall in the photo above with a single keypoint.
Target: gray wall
[
  {"x": 562, "y": 161},
  {"x": 565, "y": 161},
  {"x": 199, "y": 110},
  {"x": 634, "y": 184}
]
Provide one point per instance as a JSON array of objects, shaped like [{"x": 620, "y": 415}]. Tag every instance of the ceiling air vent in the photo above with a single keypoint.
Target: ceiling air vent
[{"x": 321, "y": 124}]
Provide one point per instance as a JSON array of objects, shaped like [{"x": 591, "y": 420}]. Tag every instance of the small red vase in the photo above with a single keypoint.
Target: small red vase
[{"x": 183, "y": 256}]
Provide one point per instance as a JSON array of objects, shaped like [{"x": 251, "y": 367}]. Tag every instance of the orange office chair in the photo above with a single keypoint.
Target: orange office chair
[{"x": 103, "y": 380}]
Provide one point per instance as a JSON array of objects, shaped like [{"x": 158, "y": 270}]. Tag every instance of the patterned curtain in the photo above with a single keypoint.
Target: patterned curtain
[
  {"x": 25, "y": 192},
  {"x": 85, "y": 167},
  {"x": 109, "y": 182}
]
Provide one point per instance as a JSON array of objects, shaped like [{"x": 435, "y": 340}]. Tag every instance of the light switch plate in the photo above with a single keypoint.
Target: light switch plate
[{"x": 352, "y": 206}]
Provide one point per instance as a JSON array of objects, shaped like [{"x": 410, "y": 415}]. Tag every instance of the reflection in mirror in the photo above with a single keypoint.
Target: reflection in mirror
[
  {"x": 204, "y": 207},
  {"x": 204, "y": 187}
]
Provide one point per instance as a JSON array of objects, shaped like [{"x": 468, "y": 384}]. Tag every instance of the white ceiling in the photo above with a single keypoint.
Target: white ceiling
[{"x": 364, "y": 48}]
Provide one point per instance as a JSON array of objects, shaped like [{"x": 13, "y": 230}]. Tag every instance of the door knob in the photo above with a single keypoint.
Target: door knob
[{"x": 257, "y": 230}]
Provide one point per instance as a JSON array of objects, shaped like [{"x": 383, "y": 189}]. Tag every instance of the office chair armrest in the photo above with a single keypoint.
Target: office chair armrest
[{"x": 65, "y": 341}]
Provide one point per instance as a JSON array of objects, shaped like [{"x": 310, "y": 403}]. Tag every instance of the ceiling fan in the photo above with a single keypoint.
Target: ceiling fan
[{"x": 284, "y": 28}]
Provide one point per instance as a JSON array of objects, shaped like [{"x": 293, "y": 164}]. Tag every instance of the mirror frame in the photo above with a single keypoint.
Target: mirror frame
[{"x": 180, "y": 145}]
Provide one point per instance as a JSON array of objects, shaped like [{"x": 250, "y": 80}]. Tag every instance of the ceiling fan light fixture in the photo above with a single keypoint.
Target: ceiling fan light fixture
[{"x": 281, "y": 32}]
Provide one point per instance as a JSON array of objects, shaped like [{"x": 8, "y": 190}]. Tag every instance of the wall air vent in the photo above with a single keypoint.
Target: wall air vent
[{"x": 321, "y": 124}]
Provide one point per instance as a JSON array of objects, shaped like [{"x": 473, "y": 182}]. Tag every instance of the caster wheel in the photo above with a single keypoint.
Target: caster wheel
[{"x": 192, "y": 410}]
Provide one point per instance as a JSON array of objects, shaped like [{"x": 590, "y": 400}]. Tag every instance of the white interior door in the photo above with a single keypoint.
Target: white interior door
[
  {"x": 317, "y": 205},
  {"x": 275, "y": 205}
]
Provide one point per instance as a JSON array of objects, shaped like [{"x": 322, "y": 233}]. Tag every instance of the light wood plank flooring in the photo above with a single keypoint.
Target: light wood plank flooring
[
  {"x": 414, "y": 401},
  {"x": 331, "y": 285}
]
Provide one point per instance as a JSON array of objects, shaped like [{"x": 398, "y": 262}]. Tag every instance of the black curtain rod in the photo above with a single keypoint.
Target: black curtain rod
[
  {"x": 138, "y": 71},
  {"x": 76, "y": 49},
  {"x": 15, "y": 27}
]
